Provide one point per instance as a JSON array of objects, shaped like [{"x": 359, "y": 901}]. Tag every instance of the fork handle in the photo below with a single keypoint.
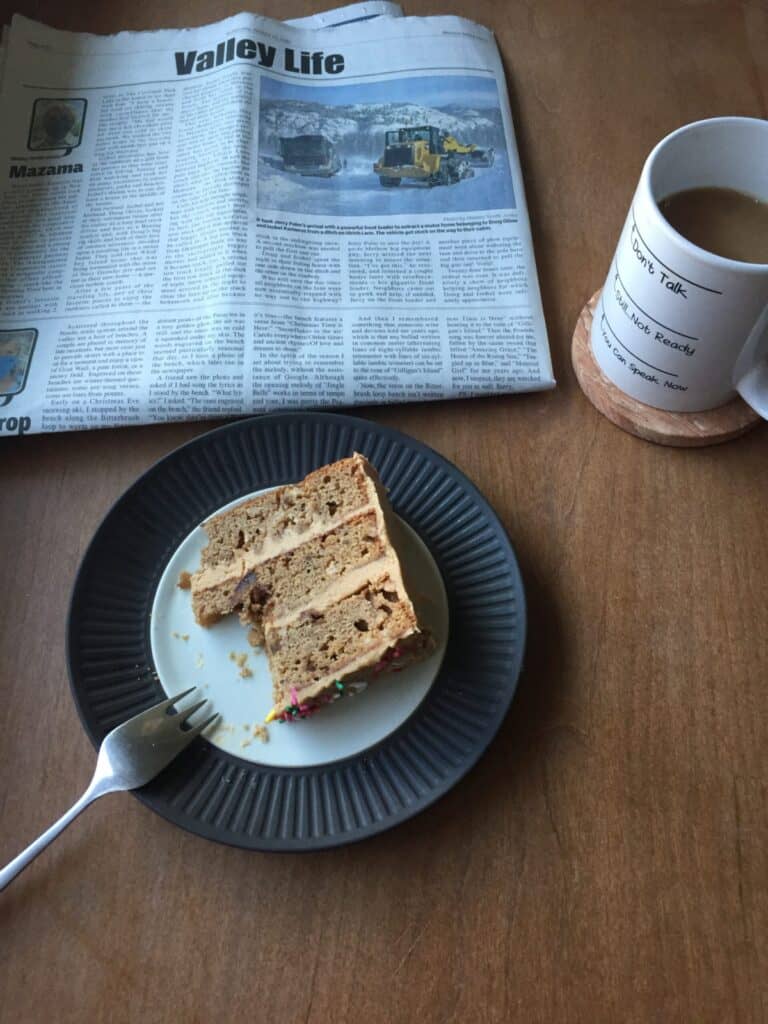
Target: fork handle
[{"x": 17, "y": 865}]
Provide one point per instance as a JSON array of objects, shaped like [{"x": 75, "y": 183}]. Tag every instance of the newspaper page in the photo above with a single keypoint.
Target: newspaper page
[
  {"x": 346, "y": 15},
  {"x": 251, "y": 216}
]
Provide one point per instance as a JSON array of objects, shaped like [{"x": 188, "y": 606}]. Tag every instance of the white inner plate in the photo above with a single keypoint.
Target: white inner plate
[{"x": 186, "y": 654}]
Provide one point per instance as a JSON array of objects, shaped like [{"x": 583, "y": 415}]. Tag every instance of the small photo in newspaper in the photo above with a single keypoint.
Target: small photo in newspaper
[
  {"x": 56, "y": 124},
  {"x": 415, "y": 145},
  {"x": 16, "y": 348}
]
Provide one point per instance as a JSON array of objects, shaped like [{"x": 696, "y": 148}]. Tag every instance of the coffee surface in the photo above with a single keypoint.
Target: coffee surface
[{"x": 722, "y": 221}]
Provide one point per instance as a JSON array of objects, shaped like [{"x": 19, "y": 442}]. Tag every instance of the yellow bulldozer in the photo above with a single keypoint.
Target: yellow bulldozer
[{"x": 425, "y": 154}]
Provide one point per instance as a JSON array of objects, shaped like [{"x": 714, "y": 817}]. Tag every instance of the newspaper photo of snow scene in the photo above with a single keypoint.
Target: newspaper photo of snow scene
[{"x": 405, "y": 146}]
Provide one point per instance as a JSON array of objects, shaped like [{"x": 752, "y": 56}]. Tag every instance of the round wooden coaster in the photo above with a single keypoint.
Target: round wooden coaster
[{"x": 678, "y": 429}]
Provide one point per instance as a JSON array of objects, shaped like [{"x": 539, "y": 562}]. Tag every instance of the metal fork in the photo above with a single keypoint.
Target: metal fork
[{"x": 129, "y": 757}]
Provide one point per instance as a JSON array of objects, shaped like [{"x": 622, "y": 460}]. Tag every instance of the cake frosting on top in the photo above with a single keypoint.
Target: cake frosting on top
[{"x": 312, "y": 571}]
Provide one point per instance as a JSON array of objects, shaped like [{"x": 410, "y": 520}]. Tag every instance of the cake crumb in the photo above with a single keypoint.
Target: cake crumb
[
  {"x": 245, "y": 743},
  {"x": 199, "y": 660},
  {"x": 261, "y": 732},
  {"x": 241, "y": 659},
  {"x": 180, "y": 636},
  {"x": 222, "y": 731},
  {"x": 185, "y": 580}
]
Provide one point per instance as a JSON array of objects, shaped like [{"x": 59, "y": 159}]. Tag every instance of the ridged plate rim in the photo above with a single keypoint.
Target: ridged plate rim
[{"x": 222, "y": 797}]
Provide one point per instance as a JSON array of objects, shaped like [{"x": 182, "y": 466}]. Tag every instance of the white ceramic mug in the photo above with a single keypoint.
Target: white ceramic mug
[{"x": 678, "y": 327}]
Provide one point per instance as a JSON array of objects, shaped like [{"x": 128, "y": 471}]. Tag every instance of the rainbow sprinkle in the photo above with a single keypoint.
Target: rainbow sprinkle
[{"x": 296, "y": 709}]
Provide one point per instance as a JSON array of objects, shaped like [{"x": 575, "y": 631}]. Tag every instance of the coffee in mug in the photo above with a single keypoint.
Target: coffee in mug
[
  {"x": 721, "y": 220},
  {"x": 682, "y": 321}
]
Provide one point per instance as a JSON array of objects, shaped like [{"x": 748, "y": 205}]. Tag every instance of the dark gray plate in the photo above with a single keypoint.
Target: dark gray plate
[{"x": 220, "y": 796}]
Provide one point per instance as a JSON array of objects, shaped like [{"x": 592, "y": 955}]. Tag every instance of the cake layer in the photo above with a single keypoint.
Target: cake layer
[
  {"x": 309, "y": 652},
  {"x": 278, "y": 585},
  {"x": 322, "y": 499}
]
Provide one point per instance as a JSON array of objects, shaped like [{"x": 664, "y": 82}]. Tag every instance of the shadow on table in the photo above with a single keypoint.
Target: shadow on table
[
  {"x": 507, "y": 777},
  {"x": 61, "y": 872},
  {"x": 497, "y": 798}
]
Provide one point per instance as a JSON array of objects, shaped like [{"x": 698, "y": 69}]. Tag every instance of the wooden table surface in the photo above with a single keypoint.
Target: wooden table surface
[{"x": 607, "y": 860}]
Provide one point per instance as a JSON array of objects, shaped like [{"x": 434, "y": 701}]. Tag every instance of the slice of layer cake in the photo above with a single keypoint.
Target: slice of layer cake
[{"x": 312, "y": 570}]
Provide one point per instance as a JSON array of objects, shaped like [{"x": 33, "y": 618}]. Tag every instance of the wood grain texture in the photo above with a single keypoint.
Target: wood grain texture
[
  {"x": 676, "y": 429},
  {"x": 608, "y": 858}
]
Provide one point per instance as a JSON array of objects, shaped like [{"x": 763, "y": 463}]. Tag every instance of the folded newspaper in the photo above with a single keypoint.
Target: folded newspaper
[{"x": 259, "y": 215}]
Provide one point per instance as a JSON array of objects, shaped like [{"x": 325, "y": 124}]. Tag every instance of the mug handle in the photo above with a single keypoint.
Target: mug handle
[{"x": 750, "y": 375}]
